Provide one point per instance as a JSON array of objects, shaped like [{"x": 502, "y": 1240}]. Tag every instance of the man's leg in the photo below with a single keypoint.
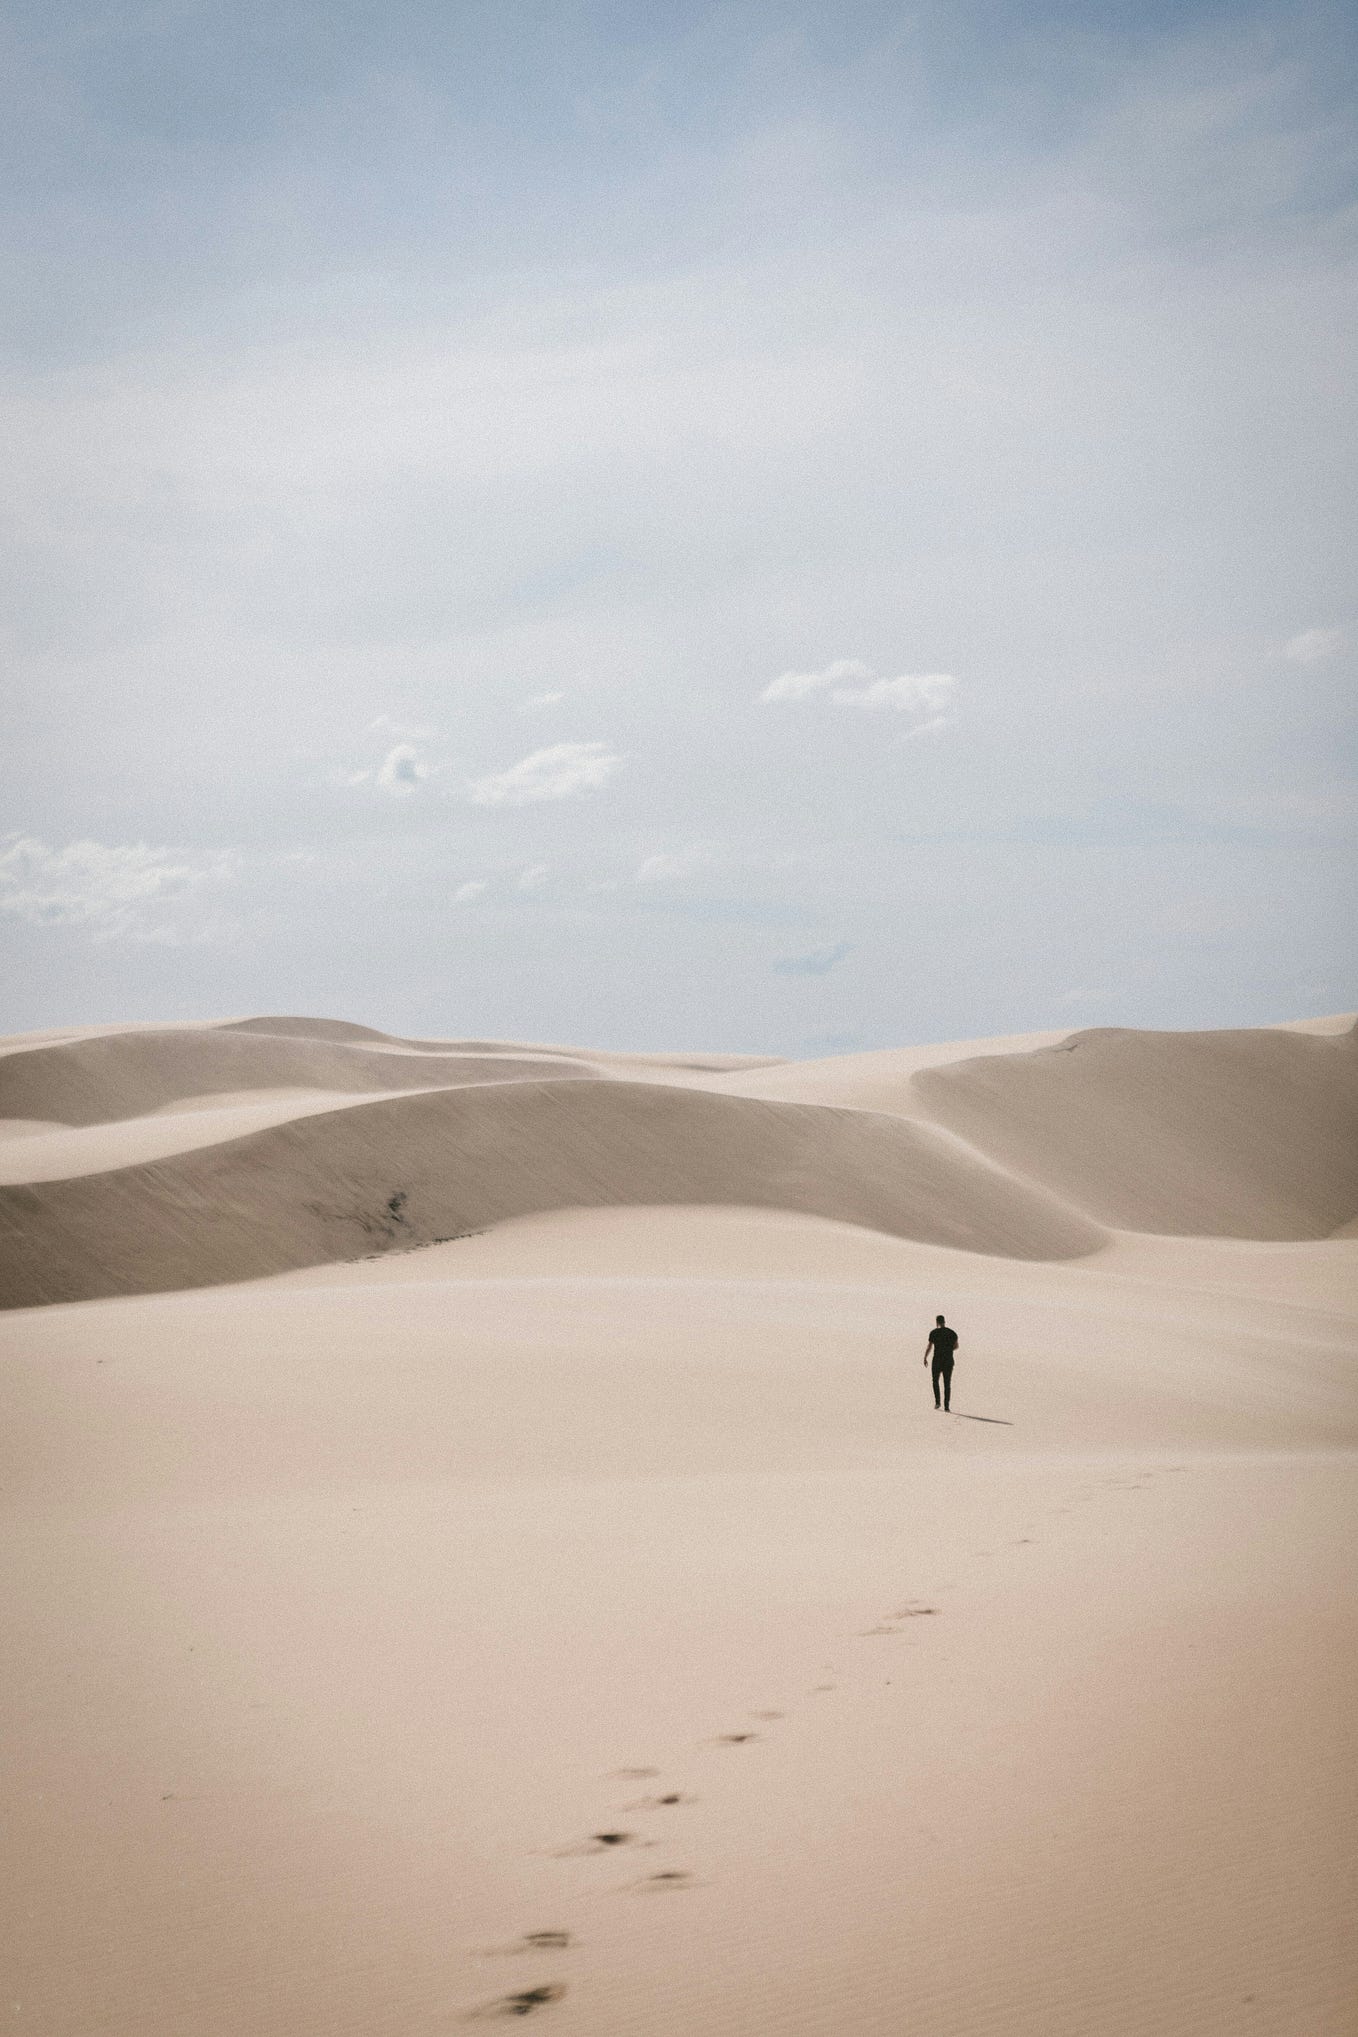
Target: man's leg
[
  {"x": 947, "y": 1387},
  {"x": 938, "y": 1374}
]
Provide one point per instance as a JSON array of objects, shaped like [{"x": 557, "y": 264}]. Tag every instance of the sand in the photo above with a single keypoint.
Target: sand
[{"x": 353, "y": 1597}]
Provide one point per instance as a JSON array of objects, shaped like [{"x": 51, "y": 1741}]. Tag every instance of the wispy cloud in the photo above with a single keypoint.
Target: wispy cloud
[
  {"x": 818, "y": 963},
  {"x": 1314, "y": 646},
  {"x": 537, "y": 700},
  {"x": 402, "y": 769},
  {"x": 404, "y": 766},
  {"x": 468, "y": 893},
  {"x": 532, "y": 875},
  {"x": 800, "y": 685},
  {"x": 850, "y": 683},
  {"x": 115, "y": 891},
  {"x": 559, "y": 772}
]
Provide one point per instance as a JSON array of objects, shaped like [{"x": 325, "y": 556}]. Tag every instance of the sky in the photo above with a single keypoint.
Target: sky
[{"x": 753, "y": 526}]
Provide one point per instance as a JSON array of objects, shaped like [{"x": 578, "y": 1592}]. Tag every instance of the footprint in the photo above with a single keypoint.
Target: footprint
[
  {"x": 767, "y": 1715},
  {"x": 662, "y": 1803},
  {"x": 531, "y": 1941},
  {"x": 866, "y": 1633},
  {"x": 635, "y": 1774},
  {"x": 518, "y": 2005},
  {"x": 601, "y": 1842},
  {"x": 732, "y": 1739},
  {"x": 667, "y": 1882},
  {"x": 915, "y": 1611}
]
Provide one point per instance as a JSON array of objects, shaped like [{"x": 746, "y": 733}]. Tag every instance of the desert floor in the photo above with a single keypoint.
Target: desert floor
[{"x": 588, "y": 1618}]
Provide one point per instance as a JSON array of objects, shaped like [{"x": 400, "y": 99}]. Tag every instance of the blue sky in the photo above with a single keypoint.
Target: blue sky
[{"x": 751, "y": 526}]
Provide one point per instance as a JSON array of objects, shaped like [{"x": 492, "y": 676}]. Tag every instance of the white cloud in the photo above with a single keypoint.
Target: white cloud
[
  {"x": 401, "y": 769},
  {"x": 798, "y": 685},
  {"x": 118, "y": 891},
  {"x": 850, "y": 683},
  {"x": 683, "y": 863},
  {"x": 467, "y": 894},
  {"x": 536, "y": 700},
  {"x": 925, "y": 693},
  {"x": 922, "y": 728},
  {"x": 1313, "y": 646},
  {"x": 532, "y": 875},
  {"x": 559, "y": 772}
]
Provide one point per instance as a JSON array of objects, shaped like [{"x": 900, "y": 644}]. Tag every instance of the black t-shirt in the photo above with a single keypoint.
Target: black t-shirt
[{"x": 943, "y": 1340}]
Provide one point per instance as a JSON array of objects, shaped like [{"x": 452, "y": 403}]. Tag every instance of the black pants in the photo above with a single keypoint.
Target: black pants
[{"x": 943, "y": 1371}]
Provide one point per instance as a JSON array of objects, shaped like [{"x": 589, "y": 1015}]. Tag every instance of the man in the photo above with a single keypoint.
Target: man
[{"x": 941, "y": 1346}]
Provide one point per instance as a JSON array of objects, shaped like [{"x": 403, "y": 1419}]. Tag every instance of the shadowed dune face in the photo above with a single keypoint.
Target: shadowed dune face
[
  {"x": 409, "y": 1170},
  {"x": 1026, "y": 1154},
  {"x": 121, "y": 1075},
  {"x": 1227, "y": 1134}
]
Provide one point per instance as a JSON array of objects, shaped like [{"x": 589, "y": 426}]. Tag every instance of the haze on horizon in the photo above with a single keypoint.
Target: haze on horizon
[{"x": 713, "y": 525}]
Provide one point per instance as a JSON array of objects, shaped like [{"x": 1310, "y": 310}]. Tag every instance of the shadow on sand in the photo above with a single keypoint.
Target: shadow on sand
[{"x": 998, "y": 1420}]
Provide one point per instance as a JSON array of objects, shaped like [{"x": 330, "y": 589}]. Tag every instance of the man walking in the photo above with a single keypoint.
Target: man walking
[{"x": 941, "y": 1346}]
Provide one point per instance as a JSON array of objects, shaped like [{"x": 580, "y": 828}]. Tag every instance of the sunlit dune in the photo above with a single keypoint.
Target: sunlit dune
[{"x": 480, "y": 1542}]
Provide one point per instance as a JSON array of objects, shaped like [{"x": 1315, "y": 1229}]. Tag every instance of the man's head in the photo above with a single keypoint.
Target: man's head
[{"x": 939, "y": 1321}]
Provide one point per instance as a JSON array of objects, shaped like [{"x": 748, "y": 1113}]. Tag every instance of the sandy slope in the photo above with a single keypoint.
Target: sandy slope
[
  {"x": 43, "y": 1151},
  {"x": 1025, "y": 1152},
  {"x": 882, "y": 1080},
  {"x": 345, "y": 1607},
  {"x": 343, "y": 1598},
  {"x": 93, "y": 1081},
  {"x": 1248, "y": 1134},
  {"x": 414, "y": 1169}
]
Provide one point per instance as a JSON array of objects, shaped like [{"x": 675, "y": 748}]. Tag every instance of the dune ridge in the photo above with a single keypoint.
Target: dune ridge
[
  {"x": 1244, "y": 1134},
  {"x": 374, "y": 1144},
  {"x": 97, "y": 1080},
  {"x": 537, "y": 1621},
  {"x": 344, "y": 1030},
  {"x": 406, "y": 1171}
]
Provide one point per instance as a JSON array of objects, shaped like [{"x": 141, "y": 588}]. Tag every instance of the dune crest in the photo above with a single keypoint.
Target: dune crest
[
  {"x": 120, "y": 1075},
  {"x": 327, "y": 1142},
  {"x": 409, "y": 1170},
  {"x": 594, "y": 1616},
  {"x": 1249, "y": 1134}
]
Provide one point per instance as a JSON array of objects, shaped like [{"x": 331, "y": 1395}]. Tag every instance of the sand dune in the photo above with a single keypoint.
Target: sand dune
[
  {"x": 589, "y": 1619},
  {"x": 346, "y": 1609},
  {"x": 406, "y": 1171},
  {"x": 1227, "y": 1134},
  {"x": 341, "y": 1029},
  {"x": 344, "y": 1030},
  {"x": 149, "y": 1160},
  {"x": 42, "y": 1151},
  {"x": 95, "y": 1080},
  {"x": 881, "y": 1080}
]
